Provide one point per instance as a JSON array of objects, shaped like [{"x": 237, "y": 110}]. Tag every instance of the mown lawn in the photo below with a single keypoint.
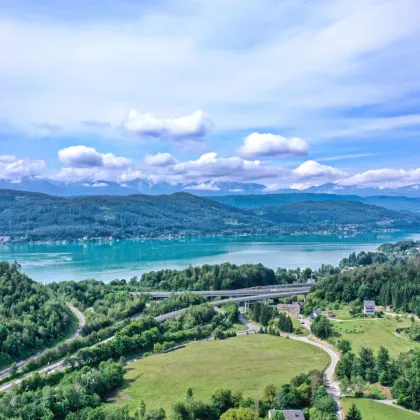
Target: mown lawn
[
  {"x": 372, "y": 410},
  {"x": 243, "y": 363},
  {"x": 374, "y": 333}
]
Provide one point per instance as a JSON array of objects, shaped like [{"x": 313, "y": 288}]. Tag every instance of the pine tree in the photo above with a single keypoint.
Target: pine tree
[{"x": 354, "y": 414}]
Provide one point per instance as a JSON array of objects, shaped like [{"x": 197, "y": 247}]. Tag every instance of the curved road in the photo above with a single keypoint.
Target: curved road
[
  {"x": 59, "y": 365},
  {"x": 82, "y": 321}
]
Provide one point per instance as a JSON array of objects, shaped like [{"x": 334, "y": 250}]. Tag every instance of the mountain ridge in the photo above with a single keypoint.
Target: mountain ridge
[{"x": 37, "y": 217}]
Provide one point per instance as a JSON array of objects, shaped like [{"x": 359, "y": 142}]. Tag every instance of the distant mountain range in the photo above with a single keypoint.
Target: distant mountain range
[
  {"x": 36, "y": 217},
  {"x": 255, "y": 201},
  {"x": 141, "y": 186},
  {"x": 137, "y": 186},
  {"x": 330, "y": 188}
]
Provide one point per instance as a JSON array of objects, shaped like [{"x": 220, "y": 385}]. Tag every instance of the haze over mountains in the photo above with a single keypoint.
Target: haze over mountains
[{"x": 141, "y": 186}]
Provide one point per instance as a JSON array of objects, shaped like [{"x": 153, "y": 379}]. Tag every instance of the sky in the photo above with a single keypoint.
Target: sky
[{"x": 285, "y": 93}]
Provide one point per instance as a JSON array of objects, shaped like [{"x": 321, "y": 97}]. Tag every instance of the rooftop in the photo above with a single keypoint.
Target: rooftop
[
  {"x": 293, "y": 415},
  {"x": 369, "y": 303}
]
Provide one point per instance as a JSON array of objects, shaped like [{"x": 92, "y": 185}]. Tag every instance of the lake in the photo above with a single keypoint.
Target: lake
[{"x": 125, "y": 259}]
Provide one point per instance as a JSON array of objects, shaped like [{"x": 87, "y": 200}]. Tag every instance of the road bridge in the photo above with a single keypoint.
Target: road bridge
[
  {"x": 241, "y": 299},
  {"x": 291, "y": 288}
]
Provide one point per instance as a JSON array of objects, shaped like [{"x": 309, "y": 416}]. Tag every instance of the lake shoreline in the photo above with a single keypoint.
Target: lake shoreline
[
  {"x": 106, "y": 261},
  {"x": 181, "y": 237}
]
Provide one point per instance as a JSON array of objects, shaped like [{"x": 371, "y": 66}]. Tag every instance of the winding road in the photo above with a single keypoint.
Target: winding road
[
  {"x": 82, "y": 320},
  {"x": 332, "y": 386}
]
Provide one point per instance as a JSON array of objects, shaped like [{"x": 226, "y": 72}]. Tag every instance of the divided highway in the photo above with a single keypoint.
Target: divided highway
[
  {"x": 304, "y": 288},
  {"x": 260, "y": 296}
]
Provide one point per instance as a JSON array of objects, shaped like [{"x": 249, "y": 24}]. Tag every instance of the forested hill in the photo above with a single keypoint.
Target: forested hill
[
  {"x": 31, "y": 318},
  {"x": 31, "y": 217},
  {"x": 254, "y": 201},
  {"x": 337, "y": 215},
  {"x": 38, "y": 217}
]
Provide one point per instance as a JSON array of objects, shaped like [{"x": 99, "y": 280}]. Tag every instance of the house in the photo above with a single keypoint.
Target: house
[
  {"x": 317, "y": 312},
  {"x": 369, "y": 307},
  {"x": 292, "y": 309},
  {"x": 288, "y": 414}
]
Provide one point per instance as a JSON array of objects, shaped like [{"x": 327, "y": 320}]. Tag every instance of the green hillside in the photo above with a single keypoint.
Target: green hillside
[
  {"x": 253, "y": 201},
  {"x": 325, "y": 215},
  {"x": 38, "y": 217},
  {"x": 31, "y": 318},
  {"x": 31, "y": 217}
]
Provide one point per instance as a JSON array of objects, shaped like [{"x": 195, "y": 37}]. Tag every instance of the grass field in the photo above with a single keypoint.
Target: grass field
[
  {"x": 375, "y": 333},
  {"x": 299, "y": 330},
  {"x": 243, "y": 363},
  {"x": 372, "y": 410}
]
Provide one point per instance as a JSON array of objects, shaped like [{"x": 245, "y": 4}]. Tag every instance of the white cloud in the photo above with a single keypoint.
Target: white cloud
[
  {"x": 21, "y": 168},
  {"x": 96, "y": 184},
  {"x": 300, "y": 60},
  {"x": 204, "y": 186},
  {"x": 272, "y": 188},
  {"x": 300, "y": 186},
  {"x": 80, "y": 157},
  {"x": 383, "y": 178},
  {"x": 7, "y": 159},
  {"x": 313, "y": 170},
  {"x": 258, "y": 145},
  {"x": 160, "y": 159},
  {"x": 88, "y": 157},
  {"x": 193, "y": 126},
  {"x": 111, "y": 161},
  {"x": 211, "y": 166}
]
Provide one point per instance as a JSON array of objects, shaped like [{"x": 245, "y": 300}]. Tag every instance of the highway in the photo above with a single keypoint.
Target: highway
[
  {"x": 305, "y": 287},
  {"x": 59, "y": 365}
]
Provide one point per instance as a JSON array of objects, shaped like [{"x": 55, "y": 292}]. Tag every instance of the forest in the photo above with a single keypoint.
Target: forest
[
  {"x": 35, "y": 217},
  {"x": 207, "y": 277},
  {"x": 29, "y": 217},
  {"x": 336, "y": 216},
  {"x": 394, "y": 284},
  {"x": 254, "y": 201},
  {"x": 31, "y": 318}
]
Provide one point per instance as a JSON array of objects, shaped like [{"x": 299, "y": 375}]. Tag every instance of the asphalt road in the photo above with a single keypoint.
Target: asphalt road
[
  {"x": 331, "y": 385},
  {"x": 82, "y": 321},
  {"x": 305, "y": 287},
  {"x": 59, "y": 365}
]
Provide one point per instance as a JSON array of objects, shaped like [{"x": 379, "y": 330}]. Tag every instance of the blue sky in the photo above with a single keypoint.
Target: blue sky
[{"x": 284, "y": 93}]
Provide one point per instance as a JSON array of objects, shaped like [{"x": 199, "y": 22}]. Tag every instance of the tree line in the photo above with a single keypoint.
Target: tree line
[
  {"x": 207, "y": 277},
  {"x": 392, "y": 284}
]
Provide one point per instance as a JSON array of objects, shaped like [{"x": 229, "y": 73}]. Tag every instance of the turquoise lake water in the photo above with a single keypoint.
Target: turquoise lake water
[{"x": 106, "y": 261}]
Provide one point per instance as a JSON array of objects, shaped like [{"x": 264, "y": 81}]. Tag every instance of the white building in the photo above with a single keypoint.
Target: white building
[{"x": 369, "y": 307}]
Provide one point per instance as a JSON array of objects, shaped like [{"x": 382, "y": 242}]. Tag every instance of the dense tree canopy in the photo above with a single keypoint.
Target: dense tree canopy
[
  {"x": 31, "y": 318},
  {"x": 208, "y": 277},
  {"x": 107, "y": 303},
  {"x": 388, "y": 284},
  {"x": 29, "y": 217}
]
